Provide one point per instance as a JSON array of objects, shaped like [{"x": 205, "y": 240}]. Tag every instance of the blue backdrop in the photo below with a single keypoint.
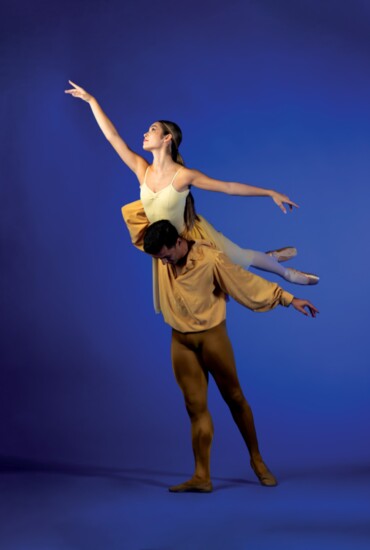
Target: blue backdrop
[{"x": 270, "y": 93}]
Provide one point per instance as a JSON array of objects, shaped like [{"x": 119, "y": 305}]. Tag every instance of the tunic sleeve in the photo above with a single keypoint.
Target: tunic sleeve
[
  {"x": 136, "y": 221},
  {"x": 248, "y": 289}
]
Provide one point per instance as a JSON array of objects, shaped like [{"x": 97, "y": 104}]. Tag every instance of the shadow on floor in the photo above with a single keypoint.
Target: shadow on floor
[{"x": 145, "y": 476}]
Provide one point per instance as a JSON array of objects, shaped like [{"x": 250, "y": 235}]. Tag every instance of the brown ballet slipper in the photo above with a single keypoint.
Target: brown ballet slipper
[
  {"x": 283, "y": 254},
  {"x": 266, "y": 478},
  {"x": 192, "y": 486}
]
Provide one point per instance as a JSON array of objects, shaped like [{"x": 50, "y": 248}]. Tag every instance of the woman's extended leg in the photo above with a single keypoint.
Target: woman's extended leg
[{"x": 265, "y": 262}]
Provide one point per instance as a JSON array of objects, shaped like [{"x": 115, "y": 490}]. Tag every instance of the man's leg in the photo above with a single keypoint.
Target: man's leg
[
  {"x": 218, "y": 356},
  {"x": 193, "y": 381}
]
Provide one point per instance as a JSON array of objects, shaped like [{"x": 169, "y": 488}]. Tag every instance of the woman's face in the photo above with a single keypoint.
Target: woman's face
[{"x": 154, "y": 138}]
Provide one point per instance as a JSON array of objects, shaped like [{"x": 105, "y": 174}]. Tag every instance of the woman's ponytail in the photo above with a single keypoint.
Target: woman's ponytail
[{"x": 174, "y": 130}]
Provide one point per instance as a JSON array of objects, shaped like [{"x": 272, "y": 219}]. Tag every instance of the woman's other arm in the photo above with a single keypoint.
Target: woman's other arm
[
  {"x": 135, "y": 162},
  {"x": 200, "y": 180}
]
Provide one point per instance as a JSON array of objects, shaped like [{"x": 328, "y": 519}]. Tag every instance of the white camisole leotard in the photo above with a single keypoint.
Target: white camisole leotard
[{"x": 165, "y": 204}]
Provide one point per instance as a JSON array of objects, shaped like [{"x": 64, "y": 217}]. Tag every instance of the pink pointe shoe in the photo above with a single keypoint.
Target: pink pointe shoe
[
  {"x": 300, "y": 277},
  {"x": 283, "y": 254}
]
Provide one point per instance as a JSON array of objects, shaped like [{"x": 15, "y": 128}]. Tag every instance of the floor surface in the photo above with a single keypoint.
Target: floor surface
[{"x": 61, "y": 506}]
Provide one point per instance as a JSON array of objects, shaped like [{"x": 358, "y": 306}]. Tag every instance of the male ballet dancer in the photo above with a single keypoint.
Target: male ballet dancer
[{"x": 194, "y": 281}]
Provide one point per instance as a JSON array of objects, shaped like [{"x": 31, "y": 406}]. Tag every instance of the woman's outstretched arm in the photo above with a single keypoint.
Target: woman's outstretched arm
[
  {"x": 135, "y": 162},
  {"x": 200, "y": 180}
]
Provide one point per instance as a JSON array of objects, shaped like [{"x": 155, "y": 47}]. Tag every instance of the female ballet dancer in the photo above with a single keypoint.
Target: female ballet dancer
[{"x": 165, "y": 194}]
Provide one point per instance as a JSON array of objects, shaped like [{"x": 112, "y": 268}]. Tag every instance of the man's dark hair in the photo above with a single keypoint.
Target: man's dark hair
[{"x": 158, "y": 235}]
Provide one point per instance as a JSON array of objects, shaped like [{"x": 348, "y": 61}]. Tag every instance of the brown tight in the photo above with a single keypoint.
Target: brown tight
[{"x": 194, "y": 355}]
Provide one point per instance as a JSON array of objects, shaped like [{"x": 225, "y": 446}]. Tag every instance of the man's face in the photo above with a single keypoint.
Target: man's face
[{"x": 170, "y": 255}]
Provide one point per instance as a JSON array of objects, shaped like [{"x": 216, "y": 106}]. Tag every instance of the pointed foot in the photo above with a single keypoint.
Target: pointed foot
[
  {"x": 300, "y": 277},
  {"x": 283, "y": 254},
  {"x": 265, "y": 477}
]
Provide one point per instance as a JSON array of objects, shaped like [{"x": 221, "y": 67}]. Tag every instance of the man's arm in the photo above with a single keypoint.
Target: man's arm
[
  {"x": 253, "y": 291},
  {"x": 136, "y": 222}
]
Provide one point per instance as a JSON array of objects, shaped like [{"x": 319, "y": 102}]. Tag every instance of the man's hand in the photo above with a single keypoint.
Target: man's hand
[{"x": 300, "y": 305}]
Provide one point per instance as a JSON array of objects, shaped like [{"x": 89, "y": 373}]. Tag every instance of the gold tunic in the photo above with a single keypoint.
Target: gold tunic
[
  {"x": 137, "y": 222},
  {"x": 195, "y": 300}
]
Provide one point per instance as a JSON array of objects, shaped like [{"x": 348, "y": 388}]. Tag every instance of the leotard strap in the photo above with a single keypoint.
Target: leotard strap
[
  {"x": 173, "y": 179},
  {"x": 146, "y": 171}
]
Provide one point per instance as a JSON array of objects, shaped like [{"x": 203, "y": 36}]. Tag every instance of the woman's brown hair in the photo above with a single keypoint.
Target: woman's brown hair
[{"x": 174, "y": 130}]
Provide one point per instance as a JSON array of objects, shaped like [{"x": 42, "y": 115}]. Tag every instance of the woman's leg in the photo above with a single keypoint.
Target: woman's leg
[{"x": 265, "y": 262}]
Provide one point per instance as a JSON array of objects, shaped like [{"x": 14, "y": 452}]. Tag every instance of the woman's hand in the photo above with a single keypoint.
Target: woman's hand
[
  {"x": 79, "y": 92},
  {"x": 135, "y": 162},
  {"x": 279, "y": 199},
  {"x": 200, "y": 180}
]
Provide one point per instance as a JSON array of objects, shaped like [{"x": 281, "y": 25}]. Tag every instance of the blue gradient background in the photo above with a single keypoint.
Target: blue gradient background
[{"x": 271, "y": 93}]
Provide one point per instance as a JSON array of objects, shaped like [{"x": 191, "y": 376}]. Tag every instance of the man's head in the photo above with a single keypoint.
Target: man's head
[{"x": 162, "y": 241}]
